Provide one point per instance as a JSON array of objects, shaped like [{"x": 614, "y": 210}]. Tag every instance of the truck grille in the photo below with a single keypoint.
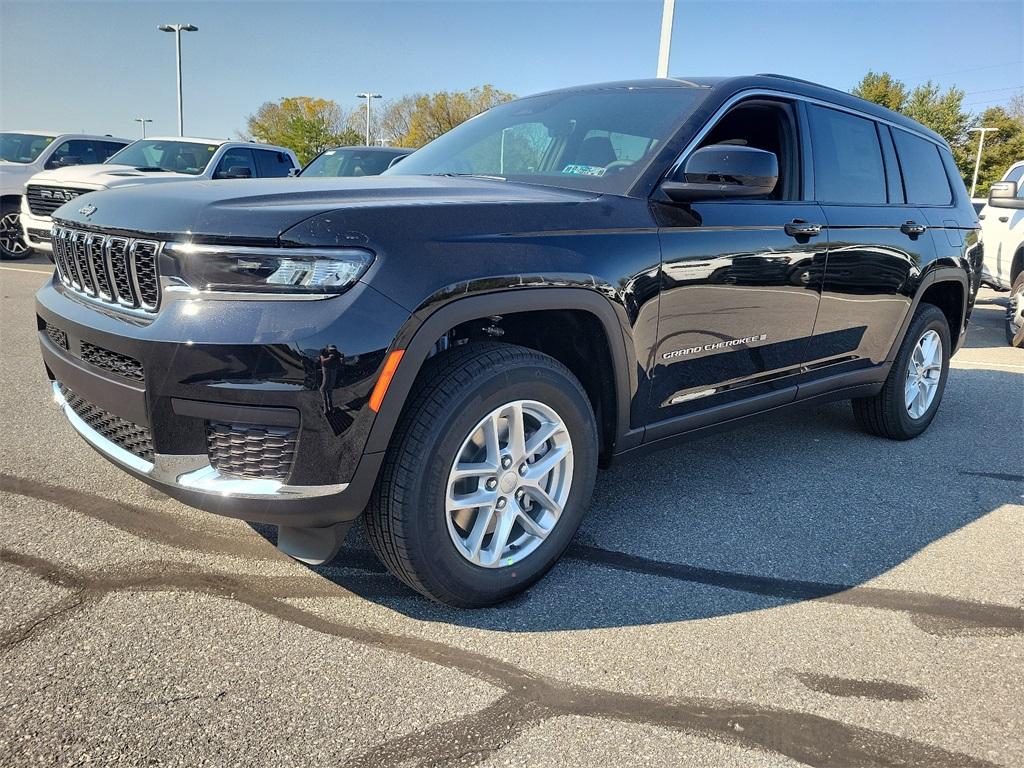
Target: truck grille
[
  {"x": 116, "y": 270},
  {"x": 43, "y": 201},
  {"x": 126, "y": 434},
  {"x": 251, "y": 451},
  {"x": 111, "y": 361}
]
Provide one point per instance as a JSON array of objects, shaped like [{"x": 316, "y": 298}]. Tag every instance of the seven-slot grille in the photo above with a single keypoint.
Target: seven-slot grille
[
  {"x": 116, "y": 270},
  {"x": 43, "y": 201},
  {"x": 251, "y": 451},
  {"x": 122, "y": 432}
]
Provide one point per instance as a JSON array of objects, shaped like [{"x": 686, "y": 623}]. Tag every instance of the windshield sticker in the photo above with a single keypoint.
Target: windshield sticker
[
  {"x": 329, "y": 152},
  {"x": 584, "y": 170}
]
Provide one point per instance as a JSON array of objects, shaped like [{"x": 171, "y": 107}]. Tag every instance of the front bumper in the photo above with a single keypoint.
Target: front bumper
[
  {"x": 36, "y": 229},
  {"x": 200, "y": 363}
]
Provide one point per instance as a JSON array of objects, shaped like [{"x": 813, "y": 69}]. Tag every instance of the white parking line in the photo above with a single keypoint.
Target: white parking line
[
  {"x": 43, "y": 271},
  {"x": 986, "y": 366}
]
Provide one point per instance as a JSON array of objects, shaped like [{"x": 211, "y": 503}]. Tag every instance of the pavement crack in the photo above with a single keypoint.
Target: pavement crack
[
  {"x": 63, "y": 608},
  {"x": 807, "y": 738}
]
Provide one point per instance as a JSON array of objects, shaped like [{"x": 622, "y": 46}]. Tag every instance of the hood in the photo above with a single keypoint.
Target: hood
[
  {"x": 106, "y": 175},
  {"x": 262, "y": 209}
]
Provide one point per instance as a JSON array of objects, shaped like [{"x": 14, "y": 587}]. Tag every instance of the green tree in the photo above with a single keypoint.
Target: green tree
[
  {"x": 1003, "y": 147},
  {"x": 882, "y": 88},
  {"x": 304, "y": 124},
  {"x": 437, "y": 113}
]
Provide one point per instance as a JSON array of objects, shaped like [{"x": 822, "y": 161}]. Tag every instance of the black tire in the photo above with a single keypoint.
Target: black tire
[
  {"x": 406, "y": 520},
  {"x": 1015, "y": 313},
  {"x": 886, "y": 414},
  {"x": 12, "y": 239}
]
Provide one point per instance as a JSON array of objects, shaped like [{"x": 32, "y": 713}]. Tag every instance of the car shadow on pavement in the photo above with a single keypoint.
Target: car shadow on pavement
[{"x": 791, "y": 507}]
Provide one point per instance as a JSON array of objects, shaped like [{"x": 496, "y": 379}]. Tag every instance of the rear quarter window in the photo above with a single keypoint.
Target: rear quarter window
[
  {"x": 848, "y": 166},
  {"x": 272, "y": 164},
  {"x": 924, "y": 176}
]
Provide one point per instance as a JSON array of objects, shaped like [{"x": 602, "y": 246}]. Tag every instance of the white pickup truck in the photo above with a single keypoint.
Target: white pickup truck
[
  {"x": 1002, "y": 236},
  {"x": 155, "y": 160}
]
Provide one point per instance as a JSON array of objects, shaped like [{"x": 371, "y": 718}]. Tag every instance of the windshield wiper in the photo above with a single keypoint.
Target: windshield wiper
[
  {"x": 471, "y": 175},
  {"x": 153, "y": 168}
]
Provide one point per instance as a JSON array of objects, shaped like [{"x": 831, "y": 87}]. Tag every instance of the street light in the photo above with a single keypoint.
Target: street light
[
  {"x": 369, "y": 97},
  {"x": 177, "y": 29},
  {"x": 143, "y": 120},
  {"x": 665, "y": 48},
  {"x": 977, "y": 163}
]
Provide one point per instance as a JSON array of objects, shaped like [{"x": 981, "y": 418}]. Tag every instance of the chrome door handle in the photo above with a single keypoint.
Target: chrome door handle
[
  {"x": 801, "y": 228},
  {"x": 912, "y": 228}
]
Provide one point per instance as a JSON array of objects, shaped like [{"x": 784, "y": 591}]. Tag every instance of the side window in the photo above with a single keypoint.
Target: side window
[
  {"x": 923, "y": 175},
  {"x": 272, "y": 164},
  {"x": 847, "y": 158},
  {"x": 104, "y": 149},
  {"x": 73, "y": 152},
  {"x": 1015, "y": 174},
  {"x": 237, "y": 158}
]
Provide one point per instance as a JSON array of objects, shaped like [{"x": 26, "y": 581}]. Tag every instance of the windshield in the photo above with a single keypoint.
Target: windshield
[
  {"x": 350, "y": 162},
  {"x": 598, "y": 140},
  {"x": 161, "y": 155},
  {"x": 22, "y": 147}
]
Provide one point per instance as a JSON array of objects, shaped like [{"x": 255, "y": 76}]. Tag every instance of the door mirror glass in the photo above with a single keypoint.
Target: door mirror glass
[
  {"x": 724, "y": 171},
  {"x": 236, "y": 172},
  {"x": 1003, "y": 194}
]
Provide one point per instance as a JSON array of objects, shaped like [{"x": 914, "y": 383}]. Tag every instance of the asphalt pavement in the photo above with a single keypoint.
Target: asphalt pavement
[{"x": 793, "y": 592}]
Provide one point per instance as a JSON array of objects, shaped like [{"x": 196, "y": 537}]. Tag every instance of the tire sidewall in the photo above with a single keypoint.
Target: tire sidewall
[
  {"x": 9, "y": 255},
  {"x": 930, "y": 320},
  {"x": 1016, "y": 297},
  {"x": 431, "y": 548}
]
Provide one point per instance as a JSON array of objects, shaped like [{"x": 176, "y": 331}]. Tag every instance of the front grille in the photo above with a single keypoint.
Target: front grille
[
  {"x": 126, "y": 434},
  {"x": 251, "y": 451},
  {"x": 116, "y": 270},
  {"x": 57, "y": 336},
  {"x": 43, "y": 201},
  {"x": 111, "y": 361}
]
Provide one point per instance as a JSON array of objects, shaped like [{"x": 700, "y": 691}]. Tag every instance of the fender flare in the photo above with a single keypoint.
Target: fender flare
[
  {"x": 505, "y": 302},
  {"x": 932, "y": 277}
]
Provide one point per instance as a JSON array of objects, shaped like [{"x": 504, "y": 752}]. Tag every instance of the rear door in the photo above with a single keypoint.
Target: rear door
[
  {"x": 877, "y": 242},
  {"x": 271, "y": 164}
]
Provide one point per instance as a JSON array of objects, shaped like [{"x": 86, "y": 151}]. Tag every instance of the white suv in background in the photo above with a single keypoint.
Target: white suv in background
[
  {"x": 154, "y": 160},
  {"x": 1002, "y": 238},
  {"x": 23, "y": 154}
]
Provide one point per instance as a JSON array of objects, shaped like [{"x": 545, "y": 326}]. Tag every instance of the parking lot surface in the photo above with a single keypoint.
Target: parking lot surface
[{"x": 791, "y": 592}]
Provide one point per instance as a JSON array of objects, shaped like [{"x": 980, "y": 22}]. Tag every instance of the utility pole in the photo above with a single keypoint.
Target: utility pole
[
  {"x": 177, "y": 29},
  {"x": 977, "y": 163},
  {"x": 143, "y": 120},
  {"x": 665, "y": 49},
  {"x": 369, "y": 98}
]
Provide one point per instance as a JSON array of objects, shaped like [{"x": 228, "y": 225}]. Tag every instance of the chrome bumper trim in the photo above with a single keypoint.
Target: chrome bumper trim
[{"x": 192, "y": 472}]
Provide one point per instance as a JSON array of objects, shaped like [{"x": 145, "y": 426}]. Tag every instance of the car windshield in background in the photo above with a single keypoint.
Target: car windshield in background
[
  {"x": 22, "y": 147},
  {"x": 597, "y": 140},
  {"x": 159, "y": 155},
  {"x": 350, "y": 161}
]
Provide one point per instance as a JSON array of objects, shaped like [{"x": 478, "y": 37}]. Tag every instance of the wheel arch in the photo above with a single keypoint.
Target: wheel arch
[
  {"x": 14, "y": 200},
  {"x": 948, "y": 289},
  {"x": 425, "y": 336},
  {"x": 1017, "y": 265}
]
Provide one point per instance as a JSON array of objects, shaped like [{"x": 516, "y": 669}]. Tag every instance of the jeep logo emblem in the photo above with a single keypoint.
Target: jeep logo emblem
[{"x": 87, "y": 210}]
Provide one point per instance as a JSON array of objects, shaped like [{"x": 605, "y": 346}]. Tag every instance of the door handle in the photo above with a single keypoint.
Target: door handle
[
  {"x": 801, "y": 228},
  {"x": 912, "y": 228},
  {"x": 1004, "y": 218}
]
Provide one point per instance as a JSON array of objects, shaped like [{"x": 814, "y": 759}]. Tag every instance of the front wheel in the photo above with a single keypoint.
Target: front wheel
[
  {"x": 12, "y": 239},
  {"x": 490, "y": 471},
  {"x": 1015, "y": 313}
]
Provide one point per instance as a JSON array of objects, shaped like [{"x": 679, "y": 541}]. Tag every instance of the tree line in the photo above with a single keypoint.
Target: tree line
[{"x": 309, "y": 125}]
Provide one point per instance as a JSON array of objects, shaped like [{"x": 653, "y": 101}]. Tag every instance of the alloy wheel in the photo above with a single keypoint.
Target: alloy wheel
[
  {"x": 1015, "y": 312},
  {"x": 509, "y": 484},
  {"x": 923, "y": 374},
  {"x": 12, "y": 239}
]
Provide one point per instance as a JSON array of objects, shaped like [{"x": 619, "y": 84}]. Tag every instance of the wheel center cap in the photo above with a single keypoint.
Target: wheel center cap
[{"x": 508, "y": 482}]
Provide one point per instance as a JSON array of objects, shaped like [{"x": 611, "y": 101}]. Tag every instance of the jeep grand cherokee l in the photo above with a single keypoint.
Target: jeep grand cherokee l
[{"x": 452, "y": 349}]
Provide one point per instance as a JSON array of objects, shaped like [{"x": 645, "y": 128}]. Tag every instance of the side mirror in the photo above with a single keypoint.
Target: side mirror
[
  {"x": 396, "y": 161},
  {"x": 64, "y": 162},
  {"x": 239, "y": 172},
  {"x": 294, "y": 172},
  {"x": 724, "y": 171},
  {"x": 1003, "y": 194}
]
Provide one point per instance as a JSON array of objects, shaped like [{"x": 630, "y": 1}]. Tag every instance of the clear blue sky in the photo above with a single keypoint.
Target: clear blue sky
[{"x": 96, "y": 65}]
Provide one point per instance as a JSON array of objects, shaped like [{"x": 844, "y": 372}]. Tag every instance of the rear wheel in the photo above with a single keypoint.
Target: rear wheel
[
  {"x": 913, "y": 390},
  {"x": 12, "y": 239},
  {"x": 1015, "y": 313},
  {"x": 490, "y": 471}
]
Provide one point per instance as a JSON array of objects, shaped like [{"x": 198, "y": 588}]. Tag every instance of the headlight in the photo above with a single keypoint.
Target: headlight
[{"x": 273, "y": 270}]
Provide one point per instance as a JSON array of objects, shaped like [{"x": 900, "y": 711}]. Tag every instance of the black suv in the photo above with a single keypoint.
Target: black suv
[{"x": 453, "y": 348}]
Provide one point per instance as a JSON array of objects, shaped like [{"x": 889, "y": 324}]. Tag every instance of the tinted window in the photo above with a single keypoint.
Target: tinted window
[
  {"x": 1015, "y": 174},
  {"x": 235, "y": 158},
  {"x": 79, "y": 152},
  {"x": 105, "y": 149},
  {"x": 351, "y": 161},
  {"x": 924, "y": 178},
  {"x": 22, "y": 147},
  {"x": 847, "y": 158},
  {"x": 272, "y": 164},
  {"x": 160, "y": 155}
]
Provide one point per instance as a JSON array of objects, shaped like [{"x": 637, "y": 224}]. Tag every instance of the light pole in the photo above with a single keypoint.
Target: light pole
[
  {"x": 143, "y": 120},
  {"x": 177, "y": 29},
  {"x": 977, "y": 163},
  {"x": 666, "y": 37},
  {"x": 369, "y": 97}
]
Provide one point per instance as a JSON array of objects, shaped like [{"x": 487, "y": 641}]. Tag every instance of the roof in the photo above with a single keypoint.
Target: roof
[
  {"x": 79, "y": 134},
  {"x": 373, "y": 148},
  {"x": 726, "y": 86}
]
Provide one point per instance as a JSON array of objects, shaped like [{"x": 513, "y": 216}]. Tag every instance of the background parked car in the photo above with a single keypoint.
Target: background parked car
[
  {"x": 148, "y": 161},
  {"x": 354, "y": 161},
  {"x": 1002, "y": 228},
  {"x": 26, "y": 153}
]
